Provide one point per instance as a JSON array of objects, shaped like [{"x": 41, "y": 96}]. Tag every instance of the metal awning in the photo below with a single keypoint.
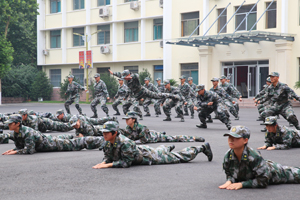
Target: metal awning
[{"x": 236, "y": 38}]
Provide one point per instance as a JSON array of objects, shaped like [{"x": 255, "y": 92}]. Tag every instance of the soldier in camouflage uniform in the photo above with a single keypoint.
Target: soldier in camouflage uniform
[
  {"x": 73, "y": 89},
  {"x": 279, "y": 137},
  {"x": 120, "y": 151},
  {"x": 29, "y": 141},
  {"x": 261, "y": 107},
  {"x": 101, "y": 95},
  {"x": 42, "y": 124},
  {"x": 169, "y": 103},
  {"x": 120, "y": 97},
  {"x": 161, "y": 89},
  {"x": 231, "y": 91},
  {"x": 279, "y": 93},
  {"x": 207, "y": 102},
  {"x": 3, "y": 118},
  {"x": 245, "y": 167},
  {"x": 236, "y": 104},
  {"x": 186, "y": 92},
  {"x": 193, "y": 95},
  {"x": 138, "y": 132},
  {"x": 148, "y": 101}
]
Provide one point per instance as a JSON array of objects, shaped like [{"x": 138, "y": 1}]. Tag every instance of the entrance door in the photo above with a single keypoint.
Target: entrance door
[
  {"x": 252, "y": 80},
  {"x": 263, "y": 75}
]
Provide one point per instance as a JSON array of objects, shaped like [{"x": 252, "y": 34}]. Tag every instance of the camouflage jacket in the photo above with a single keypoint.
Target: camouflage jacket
[
  {"x": 122, "y": 153},
  {"x": 231, "y": 90},
  {"x": 151, "y": 87},
  {"x": 161, "y": 88},
  {"x": 87, "y": 128},
  {"x": 100, "y": 89},
  {"x": 186, "y": 90},
  {"x": 74, "y": 88},
  {"x": 209, "y": 96},
  {"x": 236, "y": 91},
  {"x": 133, "y": 84},
  {"x": 284, "y": 138},
  {"x": 262, "y": 92},
  {"x": 193, "y": 85},
  {"x": 252, "y": 171},
  {"x": 280, "y": 94},
  {"x": 221, "y": 92},
  {"x": 122, "y": 92},
  {"x": 176, "y": 91},
  {"x": 32, "y": 121},
  {"x": 138, "y": 132}
]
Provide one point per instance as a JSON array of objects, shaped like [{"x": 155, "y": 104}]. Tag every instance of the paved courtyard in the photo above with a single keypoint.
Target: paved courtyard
[{"x": 69, "y": 175}]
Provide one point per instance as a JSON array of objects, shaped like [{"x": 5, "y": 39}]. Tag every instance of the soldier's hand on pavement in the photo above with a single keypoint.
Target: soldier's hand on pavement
[
  {"x": 210, "y": 103},
  {"x": 12, "y": 153},
  {"x": 235, "y": 186},
  {"x": 263, "y": 147},
  {"x": 225, "y": 185},
  {"x": 102, "y": 165},
  {"x": 110, "y": 71},
  {"x": 8, "y": 151},
  {"x": 271, "y": 148}
]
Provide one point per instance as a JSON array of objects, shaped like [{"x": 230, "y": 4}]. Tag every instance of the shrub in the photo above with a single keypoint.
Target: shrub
[
  {"x": 173, "y": 82},
  {"x": 41, "y": 87},
  {"x": 297, "y": 85}
]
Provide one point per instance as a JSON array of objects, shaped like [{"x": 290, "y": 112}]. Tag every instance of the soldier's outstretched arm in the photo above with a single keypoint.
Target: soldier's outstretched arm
[{"x": 103, "y": 165}]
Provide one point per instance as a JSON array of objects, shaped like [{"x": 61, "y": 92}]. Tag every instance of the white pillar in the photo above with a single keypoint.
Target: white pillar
[
  {"x": 64, "y": 31},
  {"x": 143, "y": 10},
  {"x": 167, "y": 35},
  {"x": 205, "y": 11},
  {"x": 114, "y": 29},
  {"x": 283, "y": 60},
  {"x": 204, "y": 63},
  {"x": 88, "y": 20},
  {"x": 284, "y": 16},
  {"x": 41, "y": 45}
]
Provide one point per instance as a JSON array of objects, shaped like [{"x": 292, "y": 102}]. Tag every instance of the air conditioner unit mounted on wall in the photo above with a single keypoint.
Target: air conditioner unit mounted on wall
[
  {"x": 134, "y": 5},
  {"x": 45, "y": 52},
  {"x": 161, "y": 44},
  {"x": 104, "y": 12},
  {"x": 104, "y": 49},
  {"x": 161, "y": 3}
]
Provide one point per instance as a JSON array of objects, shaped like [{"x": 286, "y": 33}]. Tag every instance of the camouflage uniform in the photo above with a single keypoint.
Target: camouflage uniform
[
  {"x": 120, "y": 96},
  {"x": 161, "y": 89},
  {"x": 205, "y": 110},
  {"x": 101, "y": 95},
  {"x": 73, "y": 89},
  {"x": 124, "y": 153},
  {"x": 186, "y": 91},
  {"x": 3, "y": 118},
  {"x": 86, "y": 127},
  {"x": 261, "y": 107},
  {"x": 148, "y": 101}
]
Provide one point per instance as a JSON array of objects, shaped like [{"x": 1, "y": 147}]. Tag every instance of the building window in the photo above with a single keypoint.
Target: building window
[
  {"x": 158, "y": 72},
  {"x": 104, "y": 34},
  {"x": 222, "y": 20},
  {"x": 157, "y": 29},
  {"x": 55, "y": 77},
  {"x": 103, "y": 70},
  {"x": 79, "y": 75},
  {"x": 190, "y": 70},
  {"x": 78, "y": 4},
  {"x": 55, "y": 6},
  {"x": 131, "y": 31},
  {"x": 55, "y": 39},
  {"x": 77, "y": 39},
  {"x": 271, "y": 15},
  {"x": 189, "y": 22},
  {"x": 103, "y": 2},
  {"x": 250, "y": 20},
  {"x": 132, "y": 69},
  {"x": 129, "y": 0}
]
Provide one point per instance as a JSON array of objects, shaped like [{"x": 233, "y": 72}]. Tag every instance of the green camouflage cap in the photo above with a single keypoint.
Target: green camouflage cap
[
  {"x": 215, "y": 79},
  {"x": 182, "y": 77},
  {"x": 239, "y": 132},
  {"x": 228, "y": 77},
  {"x": 268, "y": 79},
  {"x": 23, "y": 111},
  {"x": 73, "y": 120},
  {"x": 59, "y": 112},
  {"x": 270, "y": 120},
  {"x": 70, "y": 76},
  {"x": 96, "y": 75},
  {"x": 274, "y": 74},
  {"x": 125, "y": 73},
  {"x": 131, "y": 114},
  {"x": 31, "y": 112},
  {"x": 166, "y": 82},
  {"x": 190, "y": 78},
  {"x": 199, "y": 87},
  {"x": 147, "y": 79},
  {"x": 14, "y": 118},
  {"x": 120, "y": 79},
  {"x": 158, "y": 79},
  {"x": 223, "y": 77},
  {"x": 110, "y": 126}
]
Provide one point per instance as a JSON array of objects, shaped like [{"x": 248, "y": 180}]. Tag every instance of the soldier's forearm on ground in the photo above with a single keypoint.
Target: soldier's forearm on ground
[{"x": 283, "y": 146}]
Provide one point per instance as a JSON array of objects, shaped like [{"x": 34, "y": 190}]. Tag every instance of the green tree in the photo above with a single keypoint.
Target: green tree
[
  {"x": 41, "y": 87},
  {"x": 6, "y": 56},
  {"x": 143, "y": 74},
  {"x": 64, "y": 87}
]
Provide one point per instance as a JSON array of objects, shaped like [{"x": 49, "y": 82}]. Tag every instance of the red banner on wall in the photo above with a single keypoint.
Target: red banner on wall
[
  {"x": 89, "y": 59},
  {"x": 81, "y": 59}
]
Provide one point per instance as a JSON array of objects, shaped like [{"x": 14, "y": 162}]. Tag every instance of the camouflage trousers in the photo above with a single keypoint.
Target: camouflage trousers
[
  {"x": 145, "y": 93},
  {"x": 219, "y": 108},
  {"x": 189, "y": 105},
  {"x": 157, "y": 107},
  {"x": 161, "y": 137},
  {"x": 282, "y": 174},
  {"x": 4, "y": 138},
  {"x": 71, "y": 100},
  {"x": 117, "y": 102},
  {"x": 164, "y": 155},
  {"x": 146, "y": 104},
  {"x": 101, "y": 121},
  {"x": 48, "y": 124},
  {"x": 136, "y": 107},
  {"x": 285, "y": 110},
  {"x": 236, "y": 105},
  {"x": 231, "y": 107},
  {"x": 169, "y": 104},
  {"x": 102, "y": 101}
]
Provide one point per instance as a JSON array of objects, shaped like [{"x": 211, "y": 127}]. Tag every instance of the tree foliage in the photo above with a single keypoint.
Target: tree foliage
[
  {"x": 41, "y": 87},
  {"x": 143, "y": 74},
  {"x": 6, "y": 56}
]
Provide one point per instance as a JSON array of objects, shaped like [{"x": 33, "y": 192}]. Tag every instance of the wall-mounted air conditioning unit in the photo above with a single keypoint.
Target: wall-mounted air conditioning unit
[
  {"x": 134, "y": 5},
  {"x": 45, "y": 52},
  {"x": 104, "y": 49},
  {"x": 161, "y": 3},
  {"x": 161, "y": 44},
  {"x": 104, "y": 12}
]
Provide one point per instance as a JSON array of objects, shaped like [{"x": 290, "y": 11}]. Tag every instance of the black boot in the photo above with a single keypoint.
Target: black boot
[
  {"x": 117, "y": 113},
  {"x": 202, "y": 126},
  {"x": 94, "y": 116},
  {"x": 168, "y": 118},
  {"x": 147, "y": 115}
]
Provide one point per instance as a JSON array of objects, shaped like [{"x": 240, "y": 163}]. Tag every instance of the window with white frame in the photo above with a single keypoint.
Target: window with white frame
[
  {"x": 104, "y": 34},
  {"x": 189, "y": 22},
  {"x": 77, "y": 37},
  {"x": 129, "y": 0},
  {"x": 55, "y": 6},
  {"x": 132, "y": 69},
  {"x": 55, "y": 39},
  {"x": 55, "y": 77},
  {"x": 271, "y": 15},
  {"x": 103, "y": 70},
  {"x": 190, "y": 70},
  {"x": 103, "y": 2},
  {"x": 250, "y": 19},
  {"x": 78, "y": 4},
  {"x": 222, "y": 20},
  {"x": 158, "y": 29},
  {"x": 79, "y": 75},
  {"x": 131, "y": 31}
]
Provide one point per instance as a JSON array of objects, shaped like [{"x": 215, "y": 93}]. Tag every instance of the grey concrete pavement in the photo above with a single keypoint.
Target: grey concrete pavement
[{"x": 69, "y": 175}]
